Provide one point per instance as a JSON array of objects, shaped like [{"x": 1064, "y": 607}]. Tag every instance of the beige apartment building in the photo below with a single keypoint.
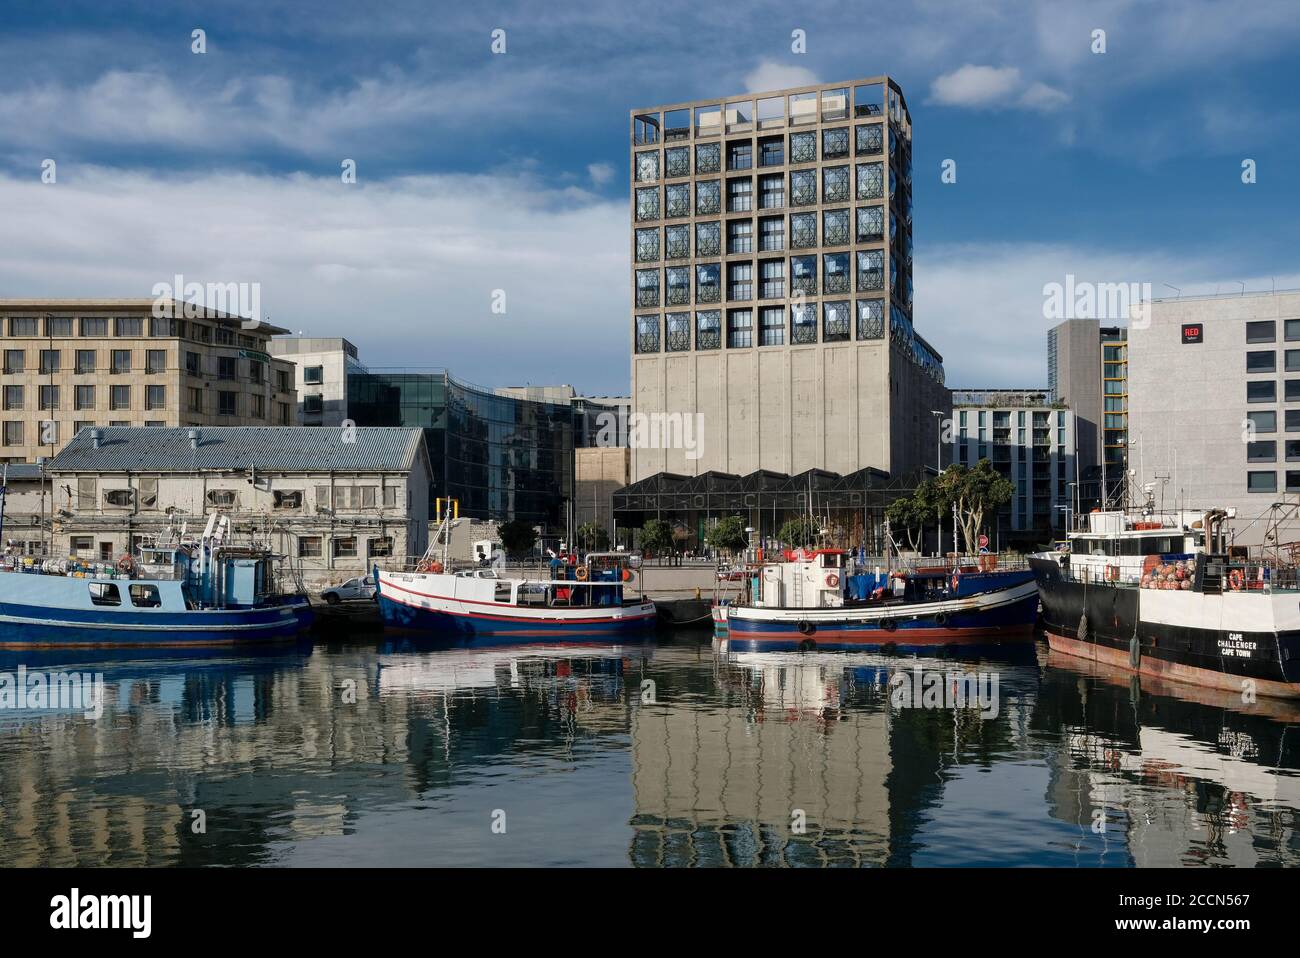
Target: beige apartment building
[
  {"x": 771, "y": 276},
  {"x": 73, "y": 364}
]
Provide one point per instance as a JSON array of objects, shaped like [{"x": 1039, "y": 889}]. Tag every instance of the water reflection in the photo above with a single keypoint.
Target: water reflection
[{"x": 672, "y": 754}]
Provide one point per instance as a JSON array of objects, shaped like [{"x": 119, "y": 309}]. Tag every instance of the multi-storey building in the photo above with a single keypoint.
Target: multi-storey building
[
  {"x": 1030, "y": 440},
  {"x": 1087, "y": 369},
  {"x": 771, "y": 248},
  {"x": 336, "y": 504},
  {"x": 321, "y": 371},
  {"x": 73, "y": 364},
  {"x": 1214, "y": 406}
]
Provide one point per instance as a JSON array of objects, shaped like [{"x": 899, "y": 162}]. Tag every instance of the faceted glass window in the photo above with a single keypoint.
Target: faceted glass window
[
  {"x": 803, "y": 147},
  {"x": 647, "y": 287},
  {"x": 803, "y": 230},
  {"x": 835, "y": 184},
  {"x": 677, "y": 242},
  {"x": 835, "y": 227},
  {"x": 869, "y": 139},
  {"x": 836, "y": 321},
  {"x": 871, "y": 223},
  {"x": 677, "y": 161},
  {"x": 871, "y": 181},
  {"x": 708, "y": 157},
  {"x": 871, "y": 269},
  {"x": 708, "y": 239},
  {"x": 803, "y": 276},
  {"x": 677, "y": 282},
  {"x": 835, "y": 143},
  {"x": 708, "y": 197},
  {"x": 708, "y": 329},
  {"x": 647, "y": 203},
  {"x": 803, "y": 323},
  {"x": 836, "y": 275},
  {"x": 708, "y": 283},
  {"x": 677, "y": 332},
  {"x": 647, "y": 334},
  {"x": 803, "y": 187},
  {"x": 647, "y": 246},
  {"x": 647, "y": 167},
  {"x": 677, "y": 199},
  {"x": 871, "y": 319}
]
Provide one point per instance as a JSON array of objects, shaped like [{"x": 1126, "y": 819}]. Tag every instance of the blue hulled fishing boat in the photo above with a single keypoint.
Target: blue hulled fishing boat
[{"x": 172, "y": 593}]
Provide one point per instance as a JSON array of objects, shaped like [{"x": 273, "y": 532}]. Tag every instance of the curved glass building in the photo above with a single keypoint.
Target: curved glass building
[{"x": 502, "y": 457}]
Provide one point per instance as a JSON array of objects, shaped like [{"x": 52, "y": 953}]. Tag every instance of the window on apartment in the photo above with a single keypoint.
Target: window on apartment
[
  {"x": 870, "y": 181},
  {"x": 708, "y": 238},
  {"x": 835, "y": 184},
  {"x": 49, "y": 397},
  {"x": 835, "y": 227},
  {"x": 13, "y": 397},
  {"x": 120, "y": 361},
  {"x": 315, "y": 375},
  {"x": 15, "y": 360},
  {"x": 85, "y": 362},
  {"x": 149, "y": 492},
  {"x": 740, "y": 328},
  {"x": 224, "y": 336},
  {"x": 647, "y": 203},
  {"x": 803, "y": 187},
  {"x": 128, "y": 326},
  {"x": 677, "y": 286},
  {"x": 708, "y": 157},
  {"x": 255, "y": 371},
  {"x": 119, "y": 498},
  {"x": 1263, "y": 450},
  {"x": 772, "y": 277},
  {"x": 1292, "y": 390},
  {"x": 803, "y": 323},
  {"x": 1263, "y": 331},
  {"x": 803, "y": 275},
  {"x": 83, "y": 397},
  {"x": 309, "y": 547},
  {"x": 155, "y": 397},
  {"x": 81, "y": 545},
  {"x": 870, "y": 139},
  {"x": 223, "y": 498},
  {"x": 771, "y": 328},
  {"x": 1263, "y": 421},
  {"x": 1262, "y": 390},
  {"x": 835, "y": 273},
  {"x": 708, "y": 197},
  {"x": 803, "y": 147},
  {"x": 740, "y": 156},
  {"x": 93, "y": 326},
  {"x": 344, "y": 547},
  {"x": 647, "y": 166},
  {"x": 835, "y": 143},
  {"x": 708, "y": 329},
  {"x": 677, "y": 161},
  {"x": 771, "y": 151},
  {"x": 155, "y": 361},
  {"x": 836, "y": 321},
  {"x": 677, "y": 242},
  {"x": 13, "y": 433},
  {"x": 771, "y": 233},
  {"x": 119, "y": 397},
  {"x": 227, "y": 367},
  {"x": 195, "y": 399},
  {"x": 58, "y": 326},
  {"x": 287, "y": 498},
  {"x": 740, "y": 236},
  {"x": 677, "y": 332},
  {"x": 227, "y": 404},
  {"x": 283, "y": 415},
  {"x": 771, "y": 189},
  {"x": 1260, "y": 481},
  {"x": 1257, "y": 361},
  {"x": 379, "y": 548},
  {"x": 50, "y": 360},
  {"x": 871, "y": 269},
  {"x": 283, "y": 383},
  {"x": 740, "y": 195},
  {"x": 647, "y": 287},
  {"x": 803, "y": 230},
  {"x": 24, "y": 326},
  {"x": 313, "y": 404},
  {"x": 647, "y": 246},
  {"x": 647, "y": 334},
  {"x": 740, "y": 281},
  {"x": 871, "y": 323},
  {"x": 708, "y": 283},
  {"x": 871, "y": 224}
]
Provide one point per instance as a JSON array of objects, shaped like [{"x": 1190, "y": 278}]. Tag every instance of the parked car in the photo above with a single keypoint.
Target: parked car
[{"x": 362, "y": 587}]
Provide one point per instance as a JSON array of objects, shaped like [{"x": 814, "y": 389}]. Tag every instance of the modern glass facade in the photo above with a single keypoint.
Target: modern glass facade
[{"x": 502, "y": 457}]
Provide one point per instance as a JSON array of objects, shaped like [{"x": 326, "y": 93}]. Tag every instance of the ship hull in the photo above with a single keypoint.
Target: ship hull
[
  {"x": 1230, "y": 641},
  {"x": 988, "y": 619},
  {"x": 416, "y": 603},
  {"x": 33, "y": 627}
]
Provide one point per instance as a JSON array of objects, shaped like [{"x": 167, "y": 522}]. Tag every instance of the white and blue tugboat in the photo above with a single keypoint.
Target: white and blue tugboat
[
  {"x": 172, "y": 593},
  {"x": 825, "y": 599}
]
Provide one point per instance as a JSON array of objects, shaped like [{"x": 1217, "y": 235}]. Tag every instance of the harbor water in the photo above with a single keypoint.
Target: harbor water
[{"x": 672, "y": 752}]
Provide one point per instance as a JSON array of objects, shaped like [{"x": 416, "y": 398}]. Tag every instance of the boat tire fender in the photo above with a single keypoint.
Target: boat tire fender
[
  {"x": 1135, "y": 651},
  {"x": 806, "y": 627},
  {"x": 889, "y": 625},
  {"x": 941, "y": 619}
]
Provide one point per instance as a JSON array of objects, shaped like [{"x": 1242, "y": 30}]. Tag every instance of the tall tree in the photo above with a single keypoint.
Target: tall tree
[
  {"x": 656, "y": 536},
  {"x": 593, "y": 537},
  {"x": 517, "y": 537},
  {"x": 978, "y": 493},
  {"x": 799, "y": 531},
  {"x": 728, "y": 534}
]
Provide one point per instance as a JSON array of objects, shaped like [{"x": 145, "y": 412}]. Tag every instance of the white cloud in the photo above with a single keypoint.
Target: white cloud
[
  {"x": 1040, "y": 96},
  {"x": 404, "y": 268},
  {"x": 600, "y": 173},
  {"x": 972, "y": 85},
  {"x": 770, "y": 75}
]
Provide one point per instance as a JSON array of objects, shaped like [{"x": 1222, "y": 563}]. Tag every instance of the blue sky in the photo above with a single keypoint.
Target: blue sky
[{"x": 479, "y": 172}]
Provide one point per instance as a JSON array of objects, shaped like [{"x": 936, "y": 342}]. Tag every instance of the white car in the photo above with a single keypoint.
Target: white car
[{"x": 362, "y": 587}]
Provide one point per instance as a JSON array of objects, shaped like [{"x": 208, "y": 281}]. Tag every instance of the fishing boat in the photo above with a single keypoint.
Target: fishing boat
[
  {"x": 173, "y": 592},
  {"x": 1165, "y": 595},
  {"x": 831, "y": 599},
  {"x": 581, "y": 598}
]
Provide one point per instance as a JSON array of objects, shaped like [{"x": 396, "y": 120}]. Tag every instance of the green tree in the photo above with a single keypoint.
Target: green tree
[
  {"x": 978, "y": 492},
  {"x": 799, "y": 531},
  {"x": 728, "y": 534},
  {"x": 656, "y": 536},
  {"x": 517, "y": 537},
  {"x": 593, "y": 537}
]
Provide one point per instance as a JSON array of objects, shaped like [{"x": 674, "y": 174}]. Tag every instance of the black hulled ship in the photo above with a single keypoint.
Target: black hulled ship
[{"x": 1164, "y": 595}]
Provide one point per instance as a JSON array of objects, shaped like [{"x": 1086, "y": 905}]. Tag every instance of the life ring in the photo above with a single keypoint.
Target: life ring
[
  {"x": 627, "y": 575},
  {"x": 832, "y": 580},
  {"x": 806, "y": 628},
  {"x": 1236, "y": 580},
  {"x": 580, "y": 573},
  {"x": 889, "y": 625},
  {"x": 126, "y": 564},
  {"x": 429, "y": 565}
]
